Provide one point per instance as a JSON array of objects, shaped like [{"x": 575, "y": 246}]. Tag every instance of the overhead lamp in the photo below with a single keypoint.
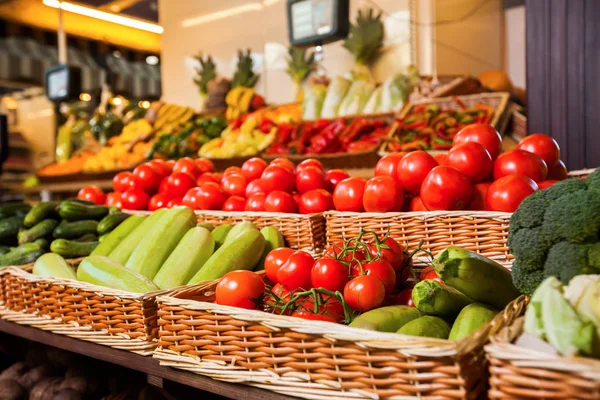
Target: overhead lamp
[
  {"x": 104, "y": 16},
  {"x": 144, "y": 104},
  {"x": 202, "y": 19},
  {"x": 85, "y": 97},
  {"x": 151, "y": 60}
]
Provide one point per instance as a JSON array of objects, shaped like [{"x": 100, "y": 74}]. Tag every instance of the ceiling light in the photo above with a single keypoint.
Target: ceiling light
[
  {"x": 116, "y": 101},
  {"x": 85, "y": 97},
  {"x": 144, "y": 104},
  {"x": 151, "y": 60},
  {"x": 104, "y": 16},
  {"x": 116, "y": 54},
  {"x": 221, "y": 14}
]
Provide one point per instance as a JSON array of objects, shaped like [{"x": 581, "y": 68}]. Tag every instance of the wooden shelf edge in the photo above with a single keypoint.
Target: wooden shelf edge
[{"x": 147, "y": 365}]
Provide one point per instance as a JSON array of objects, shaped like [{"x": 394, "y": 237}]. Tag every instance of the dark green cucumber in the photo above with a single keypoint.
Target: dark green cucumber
[
  {"x": 4, "y": 250},
  {"x": 88, "y": 237},
  {"x": 12, "y": 209},
  {"x": 40, "y": 212},
  {"x": 24, "y": 254},
  {"x": 80, "y": 201},
  {"x": 75, "y": 229},
  {"x": 76, "y": 211},
  {"x": 43, "y": 243},
  {"x": 111, "y": 221},
  {"x": 71, "y": 248},
  {"x": 39, "y": 230},
  {"x": 109, "y": 241},
  {"x": 9, "y": 228}
]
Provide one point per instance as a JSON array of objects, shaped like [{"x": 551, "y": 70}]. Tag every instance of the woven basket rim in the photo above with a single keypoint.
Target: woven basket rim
[
  {"x": 578, "y": 172},
  {"x": 420, "y": 214}
]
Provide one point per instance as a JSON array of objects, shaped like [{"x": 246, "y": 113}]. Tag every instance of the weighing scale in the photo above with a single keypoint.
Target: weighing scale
[{"x": 63, "y": 83}]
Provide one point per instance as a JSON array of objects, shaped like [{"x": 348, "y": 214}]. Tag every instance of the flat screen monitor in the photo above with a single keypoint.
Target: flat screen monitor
[
  {"x": 63, "y": 82},
  {"x": 316, "y": 22}
]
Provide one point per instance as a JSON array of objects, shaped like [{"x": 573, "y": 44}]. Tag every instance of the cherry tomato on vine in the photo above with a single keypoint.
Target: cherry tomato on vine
[
  {"x": 508, "y": 192},
  {"x": 311, "y": 316},
  {"x": 364, "y": 293},
  {"x": 295, "y": 273},
  {"x": 380, "y": 269},
  {"x": 413, "y": 168},
  {"x": 430, "y": 274},
  {"x": 390, "y": 251},
  {"x": 330, "y": 274},
  {"x": 350, "y": 255},
  {"x": 92, "y": 193},
  {"x": 485, "y": 135},
  {"x": 253, "y": 168},
  {"x": 241, "y": 289},
  {"x": 520, "y": 162},
  {"x": 348, "y": 194},
  {"x": 274, "y": 260},
  {"x": 445, "y": 188}
]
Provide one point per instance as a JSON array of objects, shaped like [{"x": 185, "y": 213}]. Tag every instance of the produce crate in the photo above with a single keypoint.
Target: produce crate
[
  {"x": 453, "y": 85},
  {"x": 314, "y": 359},
  {"x": 497, "y": 100},
  {"x": 517, "y": 125},
  {"x": 481, "y": 231},
  {"x": 109, "y": 317},
  {"x": 521, "y": 373}
]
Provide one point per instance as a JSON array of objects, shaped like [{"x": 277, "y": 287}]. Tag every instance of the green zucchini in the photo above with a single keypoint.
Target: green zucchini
[
  {"x": 220, "y": 233},
  {"x": 77, "y": 211},
  {"x": 54, "y": 265},
  {"x": 75, "y": 229},
  {"x": 71, "y": 248},
  {"x": 39, "y": 230},
  {"x": 40, "y": 212},
  {"x": 123, "y": 250},
  {"x": 111, "y": 221},
  {"x": 109, "y": 241},
  {"x": 100, "y": 270}
]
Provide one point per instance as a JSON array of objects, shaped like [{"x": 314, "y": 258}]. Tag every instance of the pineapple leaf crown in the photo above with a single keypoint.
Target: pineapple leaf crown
[
  {"x": 300, "y": 63},
  {"x": 366, "y": 37},
  {"x": 244, "y": 76},
  {"x": 205, "y": 73}
]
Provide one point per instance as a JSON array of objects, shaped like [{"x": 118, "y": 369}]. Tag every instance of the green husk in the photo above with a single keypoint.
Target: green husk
[
  {"x": 244, "y": 76},
  {"x": 205, "y": 73}
]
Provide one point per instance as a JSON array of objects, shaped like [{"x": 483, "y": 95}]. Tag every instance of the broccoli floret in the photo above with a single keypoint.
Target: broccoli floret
[
  {"x": 566, "y": 260},
  {"x": 593, "y": 181},
  {"x": 574, "y": 217},
  {"x": 561, "y": 188},
  {"x": 524, "y": 279},
  {"x": 530, "y": 212},
  {"x": 529, "y": 246}
]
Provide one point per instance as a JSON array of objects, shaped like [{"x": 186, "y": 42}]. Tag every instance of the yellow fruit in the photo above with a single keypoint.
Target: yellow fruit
[{"x": 245, "y": 99}]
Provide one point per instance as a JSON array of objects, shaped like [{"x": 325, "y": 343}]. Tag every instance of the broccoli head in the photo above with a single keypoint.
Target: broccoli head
[
  {"x": 524, "y": 279},
  {"x": 574, "y": 218},
  {"x": 593, "y": 181},
  {"x": 529, "y": 246},
  {"x": 566, "y": 260},
  {"x": 561, "y": 188}
]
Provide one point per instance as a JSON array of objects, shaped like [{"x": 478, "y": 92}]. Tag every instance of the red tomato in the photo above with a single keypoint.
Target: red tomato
[
  {"x": 123, "y": 181},
  {"x": 277, "y": 177},
  {"x": 335, "y": 176},
  {"x": 348, "y": 194},
  {"x": 445, "y": 188},
  {"x": 310, "y": 162},
  {"x": 135, "y": 199},
  {"x": 256, "y": 186},
  {"x": 234, "y": 184},
  {"x": 113, "y": 199},
  {"x": 364, "y": 293},
  {"x": 164, "y": 185},
  {"x": 506, "y": 193},
  {"x": 146, "y": 178},
  {"x": 543, "y": 146},
  {"x": 161, "y": 167},
  {"x": 390, "y": 251},
  {"x": 240, "y": 289},
  {"x": 232, "y": 170},
  {"x": 159, "y": 200},
  {"x": 380, "y": 269},
  {"x": 175, "y": 201},
  {"x": 483, "y": 134},
  {"x": 472, "y": 159},
  {"x": 388, "y": 165},
  {"x": 477, "y": 202},
  {"x": 281, "y": 291},
  {"x": 274, "y": 260},
  {"x": 383, "y": 194},
  {"x": 295, "y": 273},
  {"x": 92, "y": 193},
  {"x": 441, "y": 158},
  {"x": 253, "y": 168},
  {"x": 429, "y": 274},
  {"x": 204, "y": 165},
  {"x": 279, "y": 201},
  {"x": 297, "y": 197},
  {"x": 520, "y": 162},
  {"x": 558, "y": 171},
  {"x": 178, "y": 184},
  {"x": 310, "y": 178},
  {"x": 210, "y": 197},
  {"x": 207, "y": 177},
  {"x": 330, "y": 307},
  {"x": 351, "y": 256},
  {"x": 413, "y": 168},
  {"x": 546, "y": 184},
  {"x": 191, "y": 198},
  {"x": 311, "y": 316},
  {"x": 404, "y": 298},
  {"x": 234, "y": 203},
  {"x": 283, "y": 162},
  {"x": 256, "y": 202},
  {"x": 170, "y": 164},
  {"x": 416, "y": 204},
  {"x": 187, "y": 165},
  {"x": 330, "y": 274},
  {"x": 315, "y": 201}
]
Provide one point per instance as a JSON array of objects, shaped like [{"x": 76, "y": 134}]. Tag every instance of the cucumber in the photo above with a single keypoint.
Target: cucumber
[
  {"x": 111, "y": 221},
  {"x": 428, "y": 326},
  {"x": 194, "y": 249},
  {"x": 220, "y": 233},
  {"x": 478, "y": 277},
  {"x": 39, "y": 230},
  {"x": 471, "y": 318},
  {"x": 9, "y": 229},
  {"x": 24, "y": 254},
  {"x": 76, "y": 211},
  {"x": 12, "y": 209},
  {"x": 100, "y": 270},
  {"x": 80, "y": 201},
  {"x": 160, "y": 241},
  {"x": 273, "y": 240},
  {"x": 238, "y": 230},
  {"x": 43, "y": 243},
  {"x": 4, "y": 250},
  {"x": 40, "y": 212},
  {"x": 207, "y": 225},
  {"x": 241, "y": 253},
  {"x": 109, "y": 241},
  {"x": 435, "y": 298},
  {"x": 75, "y": 229},
  {"x": 123, "y": 250},
  {"x": 71, "y": 248},
  {"x": 386, "y": 319},
  {"x": 51, "y": 264},
  {"x": 88, "y": 237}
]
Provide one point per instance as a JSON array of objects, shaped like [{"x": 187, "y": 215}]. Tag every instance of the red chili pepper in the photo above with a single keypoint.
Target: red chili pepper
[
  {"x": 284, "y": 131},
  {"x": 416, "y": 124},
  {"x": 419, "y": 108},
  {"x": 487, "y": 119},
  {"x": 321, "y": 124}
]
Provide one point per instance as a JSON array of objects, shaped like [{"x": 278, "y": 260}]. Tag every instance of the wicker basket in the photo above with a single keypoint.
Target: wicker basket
[
  {"x": 520, "y": 373},
  {"x": 497, "y": 100},
  {"x": 517, "y": 126},
  {"x": 582, "y": 173},
  {"x": 480, "y": 231},
  {"x": 453, "y": 85},
  {"x": 109, "y": 317},
  {"x": 317, "y": 360}
]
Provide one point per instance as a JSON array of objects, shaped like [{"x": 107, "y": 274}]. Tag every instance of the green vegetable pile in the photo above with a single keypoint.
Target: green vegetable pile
[{"x": 554, "y": 232}]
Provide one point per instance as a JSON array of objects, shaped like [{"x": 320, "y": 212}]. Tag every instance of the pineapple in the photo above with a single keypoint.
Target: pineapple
[
  {"x": 299, "y": 67},
  {"x": 244, "y": 76},
  {"x": 205, "y": 74},
  {"x": 364, "y": 41}
]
